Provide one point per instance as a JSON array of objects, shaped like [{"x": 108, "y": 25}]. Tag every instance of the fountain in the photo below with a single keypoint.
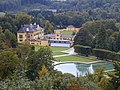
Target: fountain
[{"x": 90, "y": 69}]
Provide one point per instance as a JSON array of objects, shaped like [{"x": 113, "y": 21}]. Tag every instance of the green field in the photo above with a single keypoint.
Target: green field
[
  {"x": 73, "y": 58},
  {"x": 58, "y": 53},
  {"x": 55, "y": 50},
  {"x": 58, "y": 49},
  {"x": 67, "y": 32}
]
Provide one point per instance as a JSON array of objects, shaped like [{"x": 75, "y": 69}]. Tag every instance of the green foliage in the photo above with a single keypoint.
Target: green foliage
[
  {"x": 24, "y": 18},
  {"x": 118, "y": 42},
  {"x": 95, "y": 26},
  {"x": 99, "y": 78},
  {"x": 83, "y": 50},
  {"x": 101, "y": 41},
  {"x": 48, "y": 27},
  {"x": 101, "y": 53},
  {"x": 7, "y": 39},
  {"x": 8, "y": 63},
  {"x": 23, "y": 51},
  {"x": 83, "y": 37},
  {"x": 35, "y": 61},
  {"x": 115, "y": 78}
]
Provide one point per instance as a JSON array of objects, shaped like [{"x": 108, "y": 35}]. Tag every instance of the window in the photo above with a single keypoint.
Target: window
[
  {"x": 20, "y": 40},
  {"x": 20, "y": 36},
  {"x": 28, "y": 36}
]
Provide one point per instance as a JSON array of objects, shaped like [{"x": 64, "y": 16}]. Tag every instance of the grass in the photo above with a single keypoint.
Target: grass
[
  {"x": 73, "y": 58},
  {"x": 55, "y": 50},
  {"x": 58, "y": 49},
  {"x": 67, "y": 32},
  {"x": 58, "y": 53}
]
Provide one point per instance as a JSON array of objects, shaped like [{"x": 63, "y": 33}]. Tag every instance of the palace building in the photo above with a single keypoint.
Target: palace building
[{"x": 34, "y": 35}]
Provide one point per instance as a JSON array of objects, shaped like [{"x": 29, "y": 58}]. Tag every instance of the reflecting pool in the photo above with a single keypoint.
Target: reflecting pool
[{"x": 82, "y": 68}]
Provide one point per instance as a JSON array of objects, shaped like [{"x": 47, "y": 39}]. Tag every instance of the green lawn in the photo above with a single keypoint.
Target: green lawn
[
  {"x": 67, "y": 32},
  {"x": 58, "y": 49},
  {"x": 55, "y": 50},
  {"x": 73, "y": 58},
  {"x": 58, "y": 53}
]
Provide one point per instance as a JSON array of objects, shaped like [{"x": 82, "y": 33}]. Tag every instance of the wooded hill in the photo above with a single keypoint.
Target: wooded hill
[{"x": 81, "y": 5}]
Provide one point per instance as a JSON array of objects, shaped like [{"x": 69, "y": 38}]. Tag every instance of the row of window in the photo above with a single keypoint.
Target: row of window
[{"x": 59, "y": 42}]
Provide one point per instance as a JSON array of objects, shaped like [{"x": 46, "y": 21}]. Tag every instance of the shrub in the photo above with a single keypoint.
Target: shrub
[
  {"x": 83, "y": 50},
  {"x": 101, "y": 53}
]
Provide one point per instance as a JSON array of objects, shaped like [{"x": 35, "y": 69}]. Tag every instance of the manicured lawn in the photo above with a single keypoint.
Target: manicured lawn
[
  {"x": 58, "y": 49},
  {"x": 73, "y": 58},
  {"x": 54, "y": 49},
  {"x": 58, "y": 53},
  {"x": 67, "y": 32}
]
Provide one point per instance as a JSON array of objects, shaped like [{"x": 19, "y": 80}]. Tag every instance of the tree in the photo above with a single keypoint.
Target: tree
[
  {"x": 115, "y": 78},
  {"x": 48, "y": 27},
  {"x": 8, "y": 63},
  {"x": 101, "y": 41},
  {"x": 118, "y": 42},
  {"x": 10, "y": 39},
  {"x": 24, "y": 18},
  {"x": 83, "y": 37},
  {"x": 99, "y": 78},
  {"x": 43, "y": 72},
  {"x": 42, "y": 57}
]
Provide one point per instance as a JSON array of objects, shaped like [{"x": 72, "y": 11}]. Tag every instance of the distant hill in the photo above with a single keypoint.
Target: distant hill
[{"x": 80, "y": 5}]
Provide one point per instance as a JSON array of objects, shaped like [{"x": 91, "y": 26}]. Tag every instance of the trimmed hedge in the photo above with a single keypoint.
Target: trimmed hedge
[
  {"x": 83, "y": 50},
  {"x": 99, "y": 53},
  {"x": 106, "y": 54}
]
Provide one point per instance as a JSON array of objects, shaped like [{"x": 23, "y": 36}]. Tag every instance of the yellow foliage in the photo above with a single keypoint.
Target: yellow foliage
[
  {"x": 44, "y": 71},
  {"x": 104, "y": 83}
]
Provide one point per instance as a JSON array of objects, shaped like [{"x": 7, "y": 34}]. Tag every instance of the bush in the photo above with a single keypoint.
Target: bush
[
  {"x": 83, "y": 50},
  {"x": 106, "y": 54},
  {"x": 117, "y": 56},
  {"x": 76, "y": 47},
  {"x": 101, "y": 53}
]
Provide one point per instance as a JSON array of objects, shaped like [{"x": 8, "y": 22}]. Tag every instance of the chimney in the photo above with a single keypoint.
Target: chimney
[
  {"x": 38, "y": 26},
  {"x": 34, "y": 23},
  {"x": 27, "y": 29},
  {"x": 30, "y": 24}
]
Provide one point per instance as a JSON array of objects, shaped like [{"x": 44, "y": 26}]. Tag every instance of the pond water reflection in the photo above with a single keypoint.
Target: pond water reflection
[{"x": 81, "y": 68}]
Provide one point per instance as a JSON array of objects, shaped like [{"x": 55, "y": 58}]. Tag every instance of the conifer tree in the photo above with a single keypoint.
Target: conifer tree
[{"x": 101, "y": 41}]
